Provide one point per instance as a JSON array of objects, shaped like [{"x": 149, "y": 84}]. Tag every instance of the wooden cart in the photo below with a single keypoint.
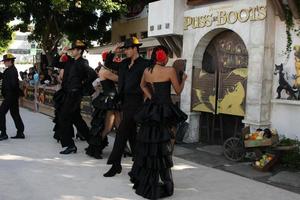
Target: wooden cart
[{"x": 235, "y": 148}]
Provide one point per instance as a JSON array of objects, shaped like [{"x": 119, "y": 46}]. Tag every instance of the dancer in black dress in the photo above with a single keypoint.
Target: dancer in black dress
[
  {"x": 106, "y": 113},
  {"x": 151, "y": 170}
]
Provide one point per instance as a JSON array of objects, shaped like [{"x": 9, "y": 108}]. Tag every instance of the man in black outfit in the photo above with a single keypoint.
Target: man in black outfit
[
  {"x": 80, "y": 74},
  {"x": 65, "y": 62},
  {"x": 131, "y": 71},
  {"x": 10, "y": 92}
]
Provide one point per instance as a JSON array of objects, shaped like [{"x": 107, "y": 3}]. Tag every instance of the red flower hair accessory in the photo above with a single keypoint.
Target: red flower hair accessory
[
  {"x": 161, "y": 56},
  {"x": 104, "y": 55},
  {"x": 64, "y": 58},
  {"x": 117, "y": 59}
]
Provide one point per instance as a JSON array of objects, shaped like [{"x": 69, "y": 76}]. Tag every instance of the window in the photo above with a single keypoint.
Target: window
[
  {"x": 123, "y": 38},
  {"x": 144, "y": 34}
]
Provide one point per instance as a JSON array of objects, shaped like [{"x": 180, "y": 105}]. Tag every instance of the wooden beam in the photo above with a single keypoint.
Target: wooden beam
[
  {"x": 279, "y": 9},
  {"x": 176, "y": 49},
  {"x": 293, "y": 6}
]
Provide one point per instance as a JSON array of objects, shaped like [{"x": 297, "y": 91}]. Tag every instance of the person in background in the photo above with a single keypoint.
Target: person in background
[
  {"x": 46, "y": 76},
  {"x": 11, "y": 92}
]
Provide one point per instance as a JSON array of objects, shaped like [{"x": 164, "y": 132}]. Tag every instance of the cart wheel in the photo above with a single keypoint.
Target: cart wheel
[{"x": 234, "y": 149}]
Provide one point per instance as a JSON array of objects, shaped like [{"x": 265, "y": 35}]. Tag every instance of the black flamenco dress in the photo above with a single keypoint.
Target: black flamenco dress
[
  {"x": 151, "y": 170},
  {"x": 106, "y": 101}
]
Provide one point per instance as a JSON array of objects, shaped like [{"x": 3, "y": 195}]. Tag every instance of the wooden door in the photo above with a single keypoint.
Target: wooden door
[{"x": 219, "y": 87}]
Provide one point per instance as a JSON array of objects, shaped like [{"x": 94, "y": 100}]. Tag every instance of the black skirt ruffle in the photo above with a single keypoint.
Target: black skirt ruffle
[
  {"x": 163, "y": 113},
  {"x": 102, "y": 104},
  {"x": 106, "y": 102},
  {"x": 151, "y": 170}
]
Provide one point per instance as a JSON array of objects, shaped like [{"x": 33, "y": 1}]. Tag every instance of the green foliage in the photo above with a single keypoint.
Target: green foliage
[
  {"x": 54, "y": 19},
  {"x": 88, "y": 20},
  {"x": 289, "y": 22},
  {"x": 290, "y": 27},
  {"x": 7, "y": 14}
]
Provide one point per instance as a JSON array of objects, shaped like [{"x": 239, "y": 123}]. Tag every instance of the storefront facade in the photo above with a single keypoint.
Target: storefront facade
[{"x": 231, "y": 48}]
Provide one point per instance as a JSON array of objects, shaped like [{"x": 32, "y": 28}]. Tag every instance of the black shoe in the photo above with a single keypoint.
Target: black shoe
[
  {"x": 115, "y": 169},
  {"x": 68, "y": 150},
  {"x": 19, "y": 136},
  {"x": 3, "y": 136}
]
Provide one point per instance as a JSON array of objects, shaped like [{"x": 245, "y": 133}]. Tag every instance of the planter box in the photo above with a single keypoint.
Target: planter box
[{"x": 268, "y": 166}]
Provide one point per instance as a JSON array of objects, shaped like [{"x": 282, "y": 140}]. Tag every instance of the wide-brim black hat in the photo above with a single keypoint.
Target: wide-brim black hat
[
  {"x": 131, "y": 42},
  {"x": 78, "y": 44},
  {"x": 8, "y": 56}
]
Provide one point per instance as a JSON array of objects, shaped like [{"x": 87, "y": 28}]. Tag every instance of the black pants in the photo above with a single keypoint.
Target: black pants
[
  {"x": 11, "y": 103},
  {"x": 127, "y": 131},
  {"x": 78, "y": 122},
  {"x": 69, "y": 114}
]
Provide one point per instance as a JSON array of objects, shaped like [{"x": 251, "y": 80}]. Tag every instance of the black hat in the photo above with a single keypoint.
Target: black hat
[
  {"x": 8, "y": 56},
  {"x": 131, "y": 42},
  {"x": 78, "y": 44}
]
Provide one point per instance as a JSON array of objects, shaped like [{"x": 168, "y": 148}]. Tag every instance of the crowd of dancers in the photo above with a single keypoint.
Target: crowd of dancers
[{"x": 135, "y": 101}]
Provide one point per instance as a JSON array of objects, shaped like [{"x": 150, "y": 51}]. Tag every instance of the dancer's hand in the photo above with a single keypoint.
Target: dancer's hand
[
  {"x": 117, "y": 48},
  {"x": 184, "y": 77},
  {"x": 64, "y": 50}
]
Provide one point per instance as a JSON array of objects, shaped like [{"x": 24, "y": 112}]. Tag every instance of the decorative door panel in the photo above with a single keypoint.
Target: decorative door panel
[
  {"x": 220, "y": 86},
  {"x": 232, "y": 92},
  {"x": 204, "y": 91}
]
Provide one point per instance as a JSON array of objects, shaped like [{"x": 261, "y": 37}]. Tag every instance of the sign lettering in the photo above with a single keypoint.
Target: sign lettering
[{"x": 220, "y": 18}]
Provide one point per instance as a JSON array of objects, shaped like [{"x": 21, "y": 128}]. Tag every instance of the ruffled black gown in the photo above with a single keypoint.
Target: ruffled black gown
[
  {"x": 105, "y": 101},
  {"x": 151, "y": 170}
]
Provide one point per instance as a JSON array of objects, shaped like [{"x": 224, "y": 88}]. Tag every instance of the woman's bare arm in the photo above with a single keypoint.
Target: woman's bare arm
[
  {"x": 61, "y": 75},
  {"x": 106, "y": 74}
]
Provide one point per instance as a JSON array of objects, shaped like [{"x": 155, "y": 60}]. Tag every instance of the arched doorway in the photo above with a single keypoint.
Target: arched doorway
[{"x": 219, "y": 87}]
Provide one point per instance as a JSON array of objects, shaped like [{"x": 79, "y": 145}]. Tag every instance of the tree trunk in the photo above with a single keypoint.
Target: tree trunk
[{"x": 50, "y": 49}]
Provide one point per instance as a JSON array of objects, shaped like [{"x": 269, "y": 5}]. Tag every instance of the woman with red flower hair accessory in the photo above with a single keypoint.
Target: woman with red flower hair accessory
[
  {"x": 151, "y": 171},
  {"x": 106, "y": 113}
]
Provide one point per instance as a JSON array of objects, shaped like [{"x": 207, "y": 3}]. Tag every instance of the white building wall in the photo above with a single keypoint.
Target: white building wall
[
  {"x": 266, "y": 43},
  {"x": 169, "y": 15},
  {"x": 285, "y": 115}
]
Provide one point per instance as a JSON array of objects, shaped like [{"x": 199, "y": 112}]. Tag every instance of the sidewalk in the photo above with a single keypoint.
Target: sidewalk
[{"x": 32, "y": 169}]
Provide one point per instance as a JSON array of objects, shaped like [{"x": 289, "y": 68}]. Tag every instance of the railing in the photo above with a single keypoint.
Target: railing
[{"x": 40, "y": 99}]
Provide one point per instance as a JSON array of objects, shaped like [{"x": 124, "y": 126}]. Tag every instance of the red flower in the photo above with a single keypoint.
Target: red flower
[
  {"x": 161, "y": 56},
  {"x": 64, "y": 58},
  {"x": 104, "y": 55},
  {"x": 117, "y": 59}
]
